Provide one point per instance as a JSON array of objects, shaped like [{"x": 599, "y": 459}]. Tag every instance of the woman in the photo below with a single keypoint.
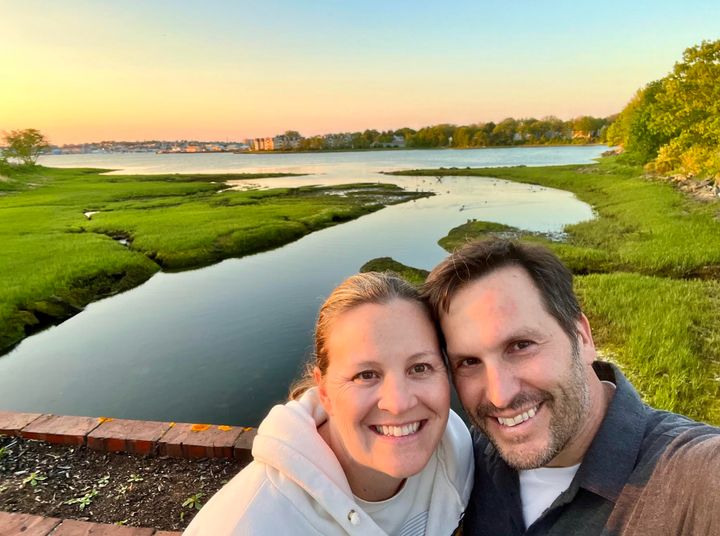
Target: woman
[{"x": 368, "y": 444}]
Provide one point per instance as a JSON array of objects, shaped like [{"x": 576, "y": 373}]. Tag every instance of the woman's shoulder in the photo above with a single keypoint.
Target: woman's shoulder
[
  {"x": 456, "y": 442},
  {"x": 455, "y": 454},
  {"x": 225, "y": 512}
]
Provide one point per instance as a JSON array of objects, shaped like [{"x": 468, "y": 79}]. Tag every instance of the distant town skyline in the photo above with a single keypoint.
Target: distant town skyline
[{"x": 84, "y": 71}]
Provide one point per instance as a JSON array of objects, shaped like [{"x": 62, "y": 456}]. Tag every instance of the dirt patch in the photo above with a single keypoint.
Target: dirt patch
[{"x": 79, "y": 483}]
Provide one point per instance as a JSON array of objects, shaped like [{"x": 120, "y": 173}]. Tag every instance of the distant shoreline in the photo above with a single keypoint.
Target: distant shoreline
[{"x": 374, "y": 149}]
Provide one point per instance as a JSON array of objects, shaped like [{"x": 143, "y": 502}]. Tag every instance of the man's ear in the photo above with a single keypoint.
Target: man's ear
[
  {"x": 587, "y": 345},
  {"x": 322, "y": 389}
]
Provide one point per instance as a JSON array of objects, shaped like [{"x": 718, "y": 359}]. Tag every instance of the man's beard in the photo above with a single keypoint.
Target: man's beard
[{"x": 568, "y": 407}]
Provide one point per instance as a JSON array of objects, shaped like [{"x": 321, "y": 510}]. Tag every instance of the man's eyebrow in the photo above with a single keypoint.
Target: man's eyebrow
[{"x": 520, "y": 334}]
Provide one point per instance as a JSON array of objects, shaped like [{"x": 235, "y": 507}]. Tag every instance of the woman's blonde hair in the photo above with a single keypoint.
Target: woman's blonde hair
[{"x": 359, "y": 289}]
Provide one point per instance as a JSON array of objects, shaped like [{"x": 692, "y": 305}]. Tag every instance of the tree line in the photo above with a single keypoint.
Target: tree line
[
  {"x": 672, "y": 125},
  {"x": 508, "y": 132}
]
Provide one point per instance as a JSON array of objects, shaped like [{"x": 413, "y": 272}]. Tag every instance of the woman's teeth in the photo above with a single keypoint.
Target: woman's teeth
[
  {"x": 517, "y": 419},
  {"x": 397, "y": 431}
]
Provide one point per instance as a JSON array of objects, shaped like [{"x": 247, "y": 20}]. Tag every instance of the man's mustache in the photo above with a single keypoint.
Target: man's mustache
[{"x": 523, "y": 400}]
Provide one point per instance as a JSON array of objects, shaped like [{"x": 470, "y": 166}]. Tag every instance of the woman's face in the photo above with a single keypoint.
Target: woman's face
[{"x": 386, "y": 389}]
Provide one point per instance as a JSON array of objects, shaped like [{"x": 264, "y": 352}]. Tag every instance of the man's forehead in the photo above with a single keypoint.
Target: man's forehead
[{"x": 501, "y": 289}]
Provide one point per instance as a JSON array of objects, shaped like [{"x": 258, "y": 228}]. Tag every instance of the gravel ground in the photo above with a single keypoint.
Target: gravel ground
[{"x": 79, "y": 483}]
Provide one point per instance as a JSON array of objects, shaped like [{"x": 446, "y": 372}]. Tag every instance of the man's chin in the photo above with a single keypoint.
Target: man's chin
[
  {"x": 522, "y": 459},
  {"x": 520, "y": 454}
]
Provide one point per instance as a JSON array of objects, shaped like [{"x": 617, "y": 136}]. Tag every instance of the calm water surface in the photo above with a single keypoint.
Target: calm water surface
[{"x": 221, "y": 344}]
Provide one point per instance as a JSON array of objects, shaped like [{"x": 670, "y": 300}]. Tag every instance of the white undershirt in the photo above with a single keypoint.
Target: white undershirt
[
  {"x": 405, "y": 513},
  {"x": 540, "y": 487}
]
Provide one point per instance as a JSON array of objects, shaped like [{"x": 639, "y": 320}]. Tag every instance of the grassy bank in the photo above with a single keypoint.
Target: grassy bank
[
  {"x": 648, "y": 269},
  {"x": 55, "y": 259}
]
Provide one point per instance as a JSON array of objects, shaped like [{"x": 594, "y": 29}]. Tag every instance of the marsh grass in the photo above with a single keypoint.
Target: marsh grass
[
  {"x": 647, "y": 269},
  {"x": 416, "y": 276},
  {"x": 55, "y": 260}
]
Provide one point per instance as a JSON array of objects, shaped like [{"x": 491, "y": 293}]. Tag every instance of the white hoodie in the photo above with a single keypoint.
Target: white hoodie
[{"x": 295, "y": 484}]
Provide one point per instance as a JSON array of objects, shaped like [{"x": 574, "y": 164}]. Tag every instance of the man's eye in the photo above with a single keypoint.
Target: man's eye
[
  {"x": 467, "y": 362},
  {"x": 520, "y": 345},
  {"x": 365, "y": 375}
]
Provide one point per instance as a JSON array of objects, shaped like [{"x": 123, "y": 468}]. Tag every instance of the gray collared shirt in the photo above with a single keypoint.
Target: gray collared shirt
[{"x": 646, "y": 472}]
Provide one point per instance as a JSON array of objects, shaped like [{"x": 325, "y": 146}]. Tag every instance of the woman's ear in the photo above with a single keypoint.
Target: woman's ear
[{"x": 322, "y": 389}]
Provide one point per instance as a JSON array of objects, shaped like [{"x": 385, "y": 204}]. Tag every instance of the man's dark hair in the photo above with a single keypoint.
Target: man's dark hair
[{"x": 476, "y": 259}]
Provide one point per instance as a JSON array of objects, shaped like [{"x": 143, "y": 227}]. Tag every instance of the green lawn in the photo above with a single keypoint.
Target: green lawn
[{"x": 55, "y": 260}]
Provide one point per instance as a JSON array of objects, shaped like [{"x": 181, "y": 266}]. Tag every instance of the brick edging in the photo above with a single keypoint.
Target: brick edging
[
  {"x": 31, "y": 525},
  {"x": 180, "y": 440}
]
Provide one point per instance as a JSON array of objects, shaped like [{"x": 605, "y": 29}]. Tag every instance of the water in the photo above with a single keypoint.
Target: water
[{"x": 221, "y": 344}]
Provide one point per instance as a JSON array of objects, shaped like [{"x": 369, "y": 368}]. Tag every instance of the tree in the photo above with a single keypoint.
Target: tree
[
  {"x": 688, "y": 112},
  {"x": 673, "y": 124},
  {"x": 25, "y": 145}
]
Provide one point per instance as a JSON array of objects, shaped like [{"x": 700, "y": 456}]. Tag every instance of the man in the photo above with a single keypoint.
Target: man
[{"x": 563, "y": 443}]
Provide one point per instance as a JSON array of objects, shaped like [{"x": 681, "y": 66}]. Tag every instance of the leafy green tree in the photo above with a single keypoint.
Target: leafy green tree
[
  {"x": 25, "y": 145},
  {"x": 688, "y": 112},
  {"x": 673, "y": 124},
  {"x": 504, "y": 132}
]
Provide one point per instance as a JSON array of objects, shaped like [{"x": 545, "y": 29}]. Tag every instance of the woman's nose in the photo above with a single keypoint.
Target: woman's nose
[{"x": 396, "y": 396}]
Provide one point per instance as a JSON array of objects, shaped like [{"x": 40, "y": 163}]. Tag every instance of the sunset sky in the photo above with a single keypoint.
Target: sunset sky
[{"x": 85, "y": 71}]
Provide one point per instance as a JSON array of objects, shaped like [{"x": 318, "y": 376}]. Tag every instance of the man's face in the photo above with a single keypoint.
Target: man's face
[{"x": 516, "y": 371}]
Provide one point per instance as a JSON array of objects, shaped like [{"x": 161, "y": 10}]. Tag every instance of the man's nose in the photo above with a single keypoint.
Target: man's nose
[
  {"x": 396, "y": 396},
  {"x": 502, "y": 386}
]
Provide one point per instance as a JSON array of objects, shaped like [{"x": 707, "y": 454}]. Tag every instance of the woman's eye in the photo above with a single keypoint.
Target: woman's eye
[
  {"x": 365, "y": 375},
  {"x": 420, "y": 368}
]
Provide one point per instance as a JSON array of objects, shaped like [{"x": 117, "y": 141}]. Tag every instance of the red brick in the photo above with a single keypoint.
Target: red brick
[
  {"x": 243, "y": 446},
  {"x": 185, "y": 440},
  {"x": 122, "y": 435},
  {"x": 60, "y": 429},
  {"x": 26, "y": 524},
  {"x": 71, "y": 527},
  {"x": 11, "y": 423}
]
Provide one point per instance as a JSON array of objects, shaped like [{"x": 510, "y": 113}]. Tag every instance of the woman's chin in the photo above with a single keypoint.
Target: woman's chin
[{"x": 403, "y": 467}]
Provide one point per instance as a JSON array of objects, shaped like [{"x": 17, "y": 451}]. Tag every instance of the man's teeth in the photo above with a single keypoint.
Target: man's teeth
[
  {"x": 397, "y": 431},
  {"x": 517, "y": 419}
]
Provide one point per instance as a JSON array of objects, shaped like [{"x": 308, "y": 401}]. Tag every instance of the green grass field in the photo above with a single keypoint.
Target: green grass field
[
  {"x": 55, "y": 260},
  {"x": 648, "y": 275}
]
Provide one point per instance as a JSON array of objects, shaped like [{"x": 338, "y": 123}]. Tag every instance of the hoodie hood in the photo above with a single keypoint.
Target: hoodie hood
[{"x": 288, "y": 441}]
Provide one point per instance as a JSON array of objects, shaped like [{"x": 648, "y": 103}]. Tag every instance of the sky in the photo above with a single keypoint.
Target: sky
[{"x": 87, "y": 70}]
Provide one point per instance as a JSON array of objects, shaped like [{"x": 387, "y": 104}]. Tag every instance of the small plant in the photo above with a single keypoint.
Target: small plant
[
  {"x": 194, "y": 501},
  {"x": 104, "y": 481},
  {"x": 84, "y": 501},
  {"x": 134, "y": 478},
  {"x": 34, "y": 479},
  {"x": 3, "y": 452}
]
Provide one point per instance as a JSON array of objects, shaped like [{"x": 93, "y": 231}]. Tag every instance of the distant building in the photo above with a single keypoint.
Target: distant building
[{"x": 263, "y": 144}]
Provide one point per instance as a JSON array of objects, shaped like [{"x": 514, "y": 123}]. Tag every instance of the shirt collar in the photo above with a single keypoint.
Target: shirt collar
[{"x": 608, "y": 463}]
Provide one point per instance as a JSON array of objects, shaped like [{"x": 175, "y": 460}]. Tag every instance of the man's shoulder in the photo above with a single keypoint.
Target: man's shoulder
[
  {"x": 674, "y": 487},
  {"x": 673, "y": 443},
  {"x": 673, "y": 433},
  {"x": 686, "y": 441}
]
